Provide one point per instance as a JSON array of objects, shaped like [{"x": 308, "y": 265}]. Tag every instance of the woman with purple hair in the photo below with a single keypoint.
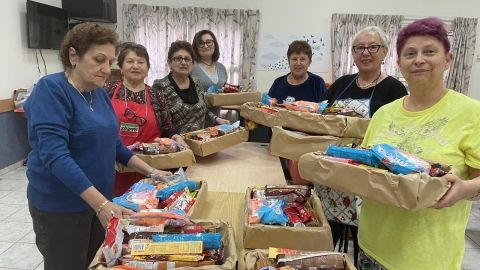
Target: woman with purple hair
[{"x": 432, "y": 123}]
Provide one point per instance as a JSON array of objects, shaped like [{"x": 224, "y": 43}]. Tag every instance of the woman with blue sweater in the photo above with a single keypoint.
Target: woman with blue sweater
[{"x": 73, "y": 132}]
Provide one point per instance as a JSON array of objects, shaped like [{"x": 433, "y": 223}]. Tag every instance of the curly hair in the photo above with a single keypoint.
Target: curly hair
[
  {"x": 198, "y": 38},
  {"x": 298, "y": 47},
  {"x": 128, "y": 47},
  {"x": 178, "y": 45},
  {"x": 82, "y": 37},
  {"x": 425, "y": 27}
]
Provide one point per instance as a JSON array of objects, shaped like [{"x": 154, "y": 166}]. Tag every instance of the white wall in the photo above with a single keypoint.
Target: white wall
[{"x": 276, "y": 15}]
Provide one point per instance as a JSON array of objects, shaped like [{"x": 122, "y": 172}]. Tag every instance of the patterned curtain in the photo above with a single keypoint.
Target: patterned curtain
[
  {"x": 463, "y": 48},
  {"x": 346, "y": 26},
  {"x": 155, "y": 28},
  {"x": 236, "y": 31}
]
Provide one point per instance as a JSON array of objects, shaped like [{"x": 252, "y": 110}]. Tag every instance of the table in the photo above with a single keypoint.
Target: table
[{"x": 238, "y": 167}]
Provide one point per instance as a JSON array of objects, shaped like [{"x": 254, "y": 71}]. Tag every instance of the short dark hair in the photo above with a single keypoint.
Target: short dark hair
[
  {"x": 178, "y": 45},
  {"x": 298, "y": 47},
  {"x": 128, "y": 47},
  {"x": 82, "y": 37},
  {"x": 198, "y": 38},
  {"x": 425, "y": 27}
]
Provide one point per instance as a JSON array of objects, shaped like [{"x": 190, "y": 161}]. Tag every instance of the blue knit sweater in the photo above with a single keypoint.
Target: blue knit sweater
[
  {"x": 73, "y": 148},
  {"x": 310, "y": 90}
]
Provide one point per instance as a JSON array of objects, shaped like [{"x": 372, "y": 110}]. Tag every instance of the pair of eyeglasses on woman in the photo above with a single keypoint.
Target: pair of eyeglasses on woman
[
  {"x": 202, "y": 44},
  {"x": 179, "y": 59},
  {"x": 131, "y": 115},
  {"x": 371, "y": 48}
]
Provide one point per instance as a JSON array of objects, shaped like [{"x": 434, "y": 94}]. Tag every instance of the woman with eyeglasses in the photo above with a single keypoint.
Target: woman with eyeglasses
[
  {"x": 206, "y": 68},
  {"x": 365, "y": 92},
  {"x": 142, "y": 111},
  {"x": 183, "y": 93}
]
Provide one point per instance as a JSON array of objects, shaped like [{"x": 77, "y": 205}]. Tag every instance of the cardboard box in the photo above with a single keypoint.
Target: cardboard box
[
  {"x": 225, "y": 99},
  {"x": 412, "y": 192},
  {"x": 334, "y": 125},
  {"x": 205, "y": 148},
  {"x": 301, "y": 238},
  {"x": 228, "y": 240},
  {"x": 196, "y": 209},
  {"x": 253, "y": 256},
  {"x": 288, "y": 144},
  {"x": 179, "y": 159}
]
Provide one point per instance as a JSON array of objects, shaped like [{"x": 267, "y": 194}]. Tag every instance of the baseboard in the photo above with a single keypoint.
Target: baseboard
[{"x": 11, "y": 168}]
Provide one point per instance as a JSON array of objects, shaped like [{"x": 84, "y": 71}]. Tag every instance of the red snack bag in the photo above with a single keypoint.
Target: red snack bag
[
  {"x": 169, "y": 200},
  {"x": 293, "y": 215},
  {"x": 304, "y": 214}
]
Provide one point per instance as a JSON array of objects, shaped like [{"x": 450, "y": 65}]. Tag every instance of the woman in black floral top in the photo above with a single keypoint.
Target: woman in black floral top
[
  {"x": 185, "y": 95},
  {"x": 142, "y": 111}
]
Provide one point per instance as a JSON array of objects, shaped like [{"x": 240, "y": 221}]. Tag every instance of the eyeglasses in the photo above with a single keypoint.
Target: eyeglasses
[
  {"x": 179, "y": 59},
  {"x": 202, "y": 44},
  {"x": 371, "y": 48},
  {"x": 131, "y": 115}
]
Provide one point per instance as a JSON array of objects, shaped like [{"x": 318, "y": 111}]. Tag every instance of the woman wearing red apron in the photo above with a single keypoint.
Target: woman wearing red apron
[{"x": 142, "y": 112}]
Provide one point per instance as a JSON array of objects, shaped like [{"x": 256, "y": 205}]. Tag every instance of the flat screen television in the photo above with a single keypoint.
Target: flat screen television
[{"x": 46, "y": 25}]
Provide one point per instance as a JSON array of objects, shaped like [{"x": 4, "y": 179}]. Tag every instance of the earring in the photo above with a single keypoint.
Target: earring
[
  {"x": 353, "y": 64},
  {"x": 383, "y": 62},
  {"x": 74, "y": 65}
]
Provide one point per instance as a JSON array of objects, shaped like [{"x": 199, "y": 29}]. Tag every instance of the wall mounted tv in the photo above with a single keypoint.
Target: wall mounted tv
[{"x": 46, "y": 25}]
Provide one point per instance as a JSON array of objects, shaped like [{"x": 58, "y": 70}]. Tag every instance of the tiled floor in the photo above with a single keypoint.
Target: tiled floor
[{"x": 17, "y": 244}]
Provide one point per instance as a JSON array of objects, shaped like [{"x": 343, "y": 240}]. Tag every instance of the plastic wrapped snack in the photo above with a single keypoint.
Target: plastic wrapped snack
[
  {"x": 399, "y": 161},
  {"x": 267, "y": 100},
  {"x": 178, "y": 177},
  {"x": 166, "y": 192},
  {"x": 210, "y": 240},
  {"x": 173, "y": 218},
  {"x": 304, "y": 106},
  {"x": 268, "y": 211},
  {"x": 166, "y": 145},
  {"x": 358, "y": 155},
  {"x": 231, "y": 88},
  {"x": 138, "y": 197}
]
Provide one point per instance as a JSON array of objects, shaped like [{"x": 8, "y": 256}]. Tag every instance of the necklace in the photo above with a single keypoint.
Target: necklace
[
  {"x": 91, "y": 97},
  {"x": 367, "y": 85},
  {"x": 211, "y": 64}
]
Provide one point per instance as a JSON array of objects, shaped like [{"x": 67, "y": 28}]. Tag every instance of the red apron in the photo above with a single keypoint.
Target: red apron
[{"x": 145, "y": 133}]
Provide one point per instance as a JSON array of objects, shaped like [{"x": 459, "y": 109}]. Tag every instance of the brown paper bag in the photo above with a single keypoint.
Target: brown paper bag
[
  {"x": 228, "y": 241},
  {"x": 253, "y": 256},
  {"x": 333, "y": 125},
  {"x": 290, "y": 145},
  {"x": 226, "y": 99},
  {"x": 205, "y": 148},
  {"x": 301, "y": 238},
  {"x": 412, "y": 192},
  {"x": 179, "y": 159},
  {"x": 196, "y": 210}
]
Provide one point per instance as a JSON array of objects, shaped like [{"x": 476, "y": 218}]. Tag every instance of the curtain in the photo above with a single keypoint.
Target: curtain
[
  {"x": 463, "y": 48},
  {"x": 346, "y": 26},
  {"x": 157, "y": 27}
]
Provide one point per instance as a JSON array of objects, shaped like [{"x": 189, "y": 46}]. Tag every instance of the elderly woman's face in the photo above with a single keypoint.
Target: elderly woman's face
[
  {"x": 368, "y": 52},
  {"x": 134, "y": 67},
  {"x": 299, "y": 63},
  {"x": 423, "y": 60},
  {"x": 181, "y": 62},
  {"x": 95, "y": 65}
]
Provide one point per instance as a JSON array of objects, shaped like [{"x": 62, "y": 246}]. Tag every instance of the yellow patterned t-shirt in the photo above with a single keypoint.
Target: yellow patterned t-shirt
[{"x": 449, "y": 133}]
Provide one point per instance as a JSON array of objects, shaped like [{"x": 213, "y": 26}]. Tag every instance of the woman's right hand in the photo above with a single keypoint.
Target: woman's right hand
[{"x": 106, "y": 213}]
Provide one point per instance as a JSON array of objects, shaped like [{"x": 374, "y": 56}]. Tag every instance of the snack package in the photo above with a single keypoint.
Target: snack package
[
  {"x": 267, "y": 100},
  {"x": 288, "y": 193},
  {"x": 231, "y": 88},
  {"x": 150, "y": 217},
  {"x": 166, "y": 145},
  {"x": 138, "y": 197},
  {"x": 399, "y": 161},
  {"x": 166, "y": 192},
  {"x": 182, "y": 202},
  {"x": 210, "y": 240},
  {"x": 304, "y": 106},
  {"x": 358, "y": 155},
  {"x": 269, "y": 211},
  {"x": 134, "y": 146},
  {"x": 213, "y": 90},
  {"x": 178, "y": 177},
  {"x": 112, "y": 246}
]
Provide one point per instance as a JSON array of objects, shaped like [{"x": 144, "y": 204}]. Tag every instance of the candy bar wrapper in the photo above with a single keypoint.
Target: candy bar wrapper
[
  {"x": 166, "y": 145},
  {"x": 304, "y": 214},
  {"x": 298, "y": 193},
  {"x": 164, "y": 204},
  {"x": 183, "y": 202},
  {"x": 293, "y": 215},
  {"x": 324, "y": 260},
  {"x": 136, "y": 229},
  {"x": 134, "y": 146},
  {"x": 112, "y": 246},
  {"x": 259, "y": 193}
]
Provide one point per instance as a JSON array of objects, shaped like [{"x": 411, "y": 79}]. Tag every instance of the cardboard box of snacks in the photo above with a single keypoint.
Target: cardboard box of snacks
[
  {"x": 253, "y": 256},
  {"x": 230, "y": 260},
  {"x": 291, "y": 145},
  {"x": 205, "y": 148},
  {"x": 301, "y": 238},
  {"x": 178, "y": 159},
  {"x": 333, "y": 125},
  {"x": 412, "y": 191},
  {"x": 226, "y": 99},
  {"x": 196, "y": 209}
]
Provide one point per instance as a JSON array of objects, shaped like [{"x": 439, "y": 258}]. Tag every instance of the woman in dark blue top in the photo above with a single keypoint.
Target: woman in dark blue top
[{"x": 73, "y": 132}]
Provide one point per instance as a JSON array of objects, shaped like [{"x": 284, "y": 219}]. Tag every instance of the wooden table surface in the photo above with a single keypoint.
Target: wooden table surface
[{"x": 238, "y": 167}]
